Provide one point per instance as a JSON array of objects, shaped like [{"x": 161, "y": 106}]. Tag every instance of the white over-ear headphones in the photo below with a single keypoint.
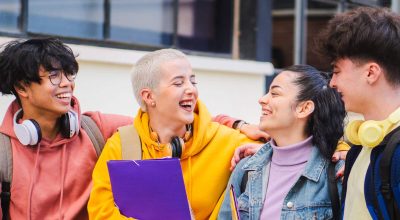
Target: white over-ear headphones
[{"x": 29, "y": 132}]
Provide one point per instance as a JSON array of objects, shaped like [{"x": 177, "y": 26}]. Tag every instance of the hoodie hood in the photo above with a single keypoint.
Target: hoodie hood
[
  {"x": 204, "y": 162},
  {"x": 7, "y": 124},
  {"x": 202, "y": 133}
]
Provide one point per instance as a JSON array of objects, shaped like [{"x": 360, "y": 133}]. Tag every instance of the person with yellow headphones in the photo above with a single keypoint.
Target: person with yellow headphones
[{"x": 363, "y": 47}]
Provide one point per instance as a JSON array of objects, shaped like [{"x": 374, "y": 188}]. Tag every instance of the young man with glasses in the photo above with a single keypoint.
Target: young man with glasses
[{"x": 52, "y": 156}]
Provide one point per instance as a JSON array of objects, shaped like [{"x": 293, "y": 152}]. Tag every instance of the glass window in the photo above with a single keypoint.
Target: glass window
[
  {"x": 318, "y": 14},
  {"x": 148, "y": 22},
  {"x": 9, "y": 12},
  {"x": 73, "y": 18},
  {"x": 205, "y": 25}
]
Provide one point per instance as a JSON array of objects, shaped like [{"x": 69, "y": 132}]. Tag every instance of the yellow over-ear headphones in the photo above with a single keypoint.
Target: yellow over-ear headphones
[{"x": 370, "y": 133}]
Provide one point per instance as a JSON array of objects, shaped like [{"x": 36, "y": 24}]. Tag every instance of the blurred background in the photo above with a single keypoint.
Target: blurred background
[{"x": 235, "y": 46}]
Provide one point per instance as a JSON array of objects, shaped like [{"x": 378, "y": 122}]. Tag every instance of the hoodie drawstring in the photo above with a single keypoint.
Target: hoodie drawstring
[
  {"x": 33, "y": 179},
  {"x": 190, "y": 179},
  {"x": 62, "y": 179},
  {"x": 28, "y": 213}
]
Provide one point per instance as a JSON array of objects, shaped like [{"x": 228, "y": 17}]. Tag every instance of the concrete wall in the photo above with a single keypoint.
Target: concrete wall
[{"x": 226, "y": 86}]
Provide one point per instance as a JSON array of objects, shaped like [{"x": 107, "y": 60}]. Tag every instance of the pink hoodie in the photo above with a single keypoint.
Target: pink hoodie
[{"x": 52, "y": 180}]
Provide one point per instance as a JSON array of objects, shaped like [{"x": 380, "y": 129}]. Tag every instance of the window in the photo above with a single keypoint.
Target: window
[
  {"x": 148, "y": 22},
  {"x": 9, "y": 15},
  {"x": 205, "y": 25},
  {"x": 198, "y": 25},
  {"x": 72, "y": 18}
]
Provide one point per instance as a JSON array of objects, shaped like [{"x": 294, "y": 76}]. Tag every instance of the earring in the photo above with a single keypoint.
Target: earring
[{"x": 153, "y": 104}]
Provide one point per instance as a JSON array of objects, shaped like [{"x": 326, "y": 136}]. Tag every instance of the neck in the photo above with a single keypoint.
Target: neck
[
  {"x": 165, "y": 132},
  {"x": 48, "y": 125},
  {"x": 389, "y": 98},
  {"x": 288, "y": 137}
]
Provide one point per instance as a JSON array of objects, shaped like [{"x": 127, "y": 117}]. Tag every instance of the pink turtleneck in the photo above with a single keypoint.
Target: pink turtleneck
[{"x": 287, "y": 164}]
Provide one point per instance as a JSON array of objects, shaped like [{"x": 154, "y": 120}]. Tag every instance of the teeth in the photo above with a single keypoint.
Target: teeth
[
  {"x": 190, "y": 103},
  {"x": 266, "y": 112},
  {"x": 64, "y": 95}
]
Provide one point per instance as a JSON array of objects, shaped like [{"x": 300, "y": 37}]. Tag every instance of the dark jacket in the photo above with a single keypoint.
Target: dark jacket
[{"x": 372, "y": 183}]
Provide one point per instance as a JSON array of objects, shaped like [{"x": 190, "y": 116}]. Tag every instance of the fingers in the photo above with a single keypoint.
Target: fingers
[
  {"x": 263, "y": 137},
  {"x": 251, "y": 149},
  {"x": 233, "y": 164},
  {"x": 340, "y": 173},
  {"x": 339, "y": 155},
  {"x": 343, "y": 155},
  {"x": 237, "y": 155},
  {"x": 243, "y": 151},
  {"x": 336, "y": 156},
  {"x": 253, "y": 132}
]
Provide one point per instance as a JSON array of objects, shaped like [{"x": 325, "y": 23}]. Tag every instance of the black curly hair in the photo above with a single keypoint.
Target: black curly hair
[{"x": 20, "y": 62}]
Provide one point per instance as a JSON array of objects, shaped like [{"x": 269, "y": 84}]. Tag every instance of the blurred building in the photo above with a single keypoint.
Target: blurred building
[{"x": 233, "y": 45}]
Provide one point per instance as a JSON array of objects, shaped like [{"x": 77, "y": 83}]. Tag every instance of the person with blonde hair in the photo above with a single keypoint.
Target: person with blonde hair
[{"x": 165, "y": 87}]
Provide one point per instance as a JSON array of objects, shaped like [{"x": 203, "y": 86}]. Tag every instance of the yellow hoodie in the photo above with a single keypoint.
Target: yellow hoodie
[{"x": 205, "y": 164}]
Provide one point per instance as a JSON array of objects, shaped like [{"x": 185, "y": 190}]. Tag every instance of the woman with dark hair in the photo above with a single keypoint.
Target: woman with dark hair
[{"x": 287, "y": 178}]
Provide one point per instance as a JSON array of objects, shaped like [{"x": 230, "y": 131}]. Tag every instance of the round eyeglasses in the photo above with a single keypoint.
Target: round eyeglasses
[{"x": 55, "y": 76}]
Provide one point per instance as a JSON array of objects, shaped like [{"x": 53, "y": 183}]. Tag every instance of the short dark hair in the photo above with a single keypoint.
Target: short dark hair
[
  {"x": 326, "y": 122},
  {"x": 20, "y": 61},
  {"x": 364, "y": 34}
]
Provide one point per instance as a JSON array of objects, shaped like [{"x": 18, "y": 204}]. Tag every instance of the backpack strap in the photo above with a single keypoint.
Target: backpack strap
[
  {"x": 94, "y": 133},
  {"x": 130, "y": 143},
  {"x": 333, "y": 191},
  {"x": 5, "y": 174},
  {"x": 385, "y": 170}
]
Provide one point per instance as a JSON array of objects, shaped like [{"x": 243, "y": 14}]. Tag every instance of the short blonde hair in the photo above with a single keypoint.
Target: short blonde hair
[{"x": 146, "y": 73}]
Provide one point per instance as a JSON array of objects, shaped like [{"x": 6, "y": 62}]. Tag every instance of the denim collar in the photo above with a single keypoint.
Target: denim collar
[{"x": 313, "y": 170}]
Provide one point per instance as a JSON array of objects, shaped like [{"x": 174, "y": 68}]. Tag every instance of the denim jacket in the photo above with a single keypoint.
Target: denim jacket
[{"x": 307, "y": 199}]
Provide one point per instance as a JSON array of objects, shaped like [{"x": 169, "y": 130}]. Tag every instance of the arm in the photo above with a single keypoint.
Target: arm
[
  {"x": 250, "y": 130},
  {"x": 340, "y": 154},
  {"x": 109, "y": 123},
  {"x": 338, "y": 168},
  {"x": 101, "y": 201}
]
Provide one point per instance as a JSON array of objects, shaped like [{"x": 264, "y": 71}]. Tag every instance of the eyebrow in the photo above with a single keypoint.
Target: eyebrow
[
  {"x": 276, "y": 87},
  {"x": 177, "y": 77},
  {"x": 182, "y": 77}
]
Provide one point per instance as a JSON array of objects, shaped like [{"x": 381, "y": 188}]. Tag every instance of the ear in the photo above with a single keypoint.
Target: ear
[
  {"x": 374, "y": 72},
  {"x": 21, "y": 90},
  {"x": 304, "y": 109},
  {"x": 147, "y": 97}
]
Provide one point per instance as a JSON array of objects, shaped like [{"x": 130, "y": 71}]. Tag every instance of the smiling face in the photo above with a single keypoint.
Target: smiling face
[
  {"x": 279, "y": 104},
  {"x": 44, "y": 98},
  {"x": 176, "y": 94},
  {"x": 349, "y": 79}
]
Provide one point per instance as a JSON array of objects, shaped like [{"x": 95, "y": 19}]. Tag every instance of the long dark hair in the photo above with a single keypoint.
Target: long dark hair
[{"x": 326, "y": 122}]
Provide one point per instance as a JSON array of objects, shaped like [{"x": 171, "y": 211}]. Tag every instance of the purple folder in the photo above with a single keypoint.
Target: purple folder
[{"x": 149, "y": 189}]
